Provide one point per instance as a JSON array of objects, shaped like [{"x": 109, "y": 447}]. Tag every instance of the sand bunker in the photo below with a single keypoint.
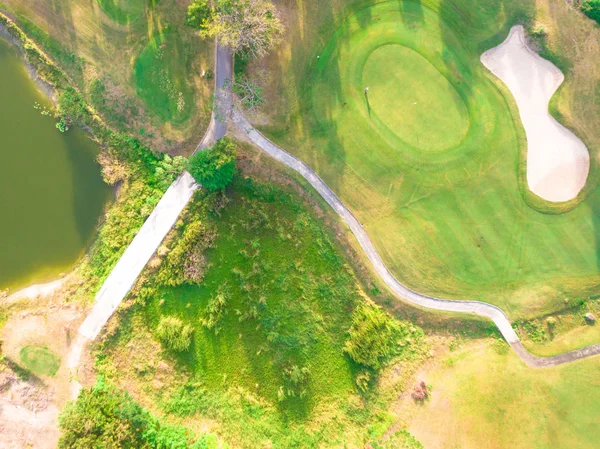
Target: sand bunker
[{"x": 558, "y": 162}]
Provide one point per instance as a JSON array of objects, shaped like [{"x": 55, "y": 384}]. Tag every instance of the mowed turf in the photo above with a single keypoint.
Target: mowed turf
[
  {"x": 433, "y": 163},
  {"x": 486, "y": 398},
  {"x": 124, "y": 11},
  {"x": 159, "y": 79}
]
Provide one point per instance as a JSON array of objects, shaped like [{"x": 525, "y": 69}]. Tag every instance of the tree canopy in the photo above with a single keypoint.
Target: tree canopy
[
  {"x": 214, "y": 169},
  {"x": 251, "y": 27}
]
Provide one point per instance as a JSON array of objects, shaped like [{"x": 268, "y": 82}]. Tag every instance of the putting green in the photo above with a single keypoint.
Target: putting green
[
  {"x": 40, "y": 360},
  {"x": 439, "y": 184},
  {"x": 425, "y": 110}
]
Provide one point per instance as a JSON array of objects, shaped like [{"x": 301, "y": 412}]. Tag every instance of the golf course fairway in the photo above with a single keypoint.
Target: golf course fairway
[{"x": 431, "y": 159}]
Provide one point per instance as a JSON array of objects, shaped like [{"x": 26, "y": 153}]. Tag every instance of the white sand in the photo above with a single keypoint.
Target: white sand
[{"x": 558, "y": 161}]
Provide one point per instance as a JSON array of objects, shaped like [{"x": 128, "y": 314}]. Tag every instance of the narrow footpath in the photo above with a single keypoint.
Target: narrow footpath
[
  {"x": 401, "y": 291},
  {"x": 164, "y": 216}
]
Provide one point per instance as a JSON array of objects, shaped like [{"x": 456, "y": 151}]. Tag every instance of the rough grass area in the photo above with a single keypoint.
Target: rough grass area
[
  {"x": 124, "y": 11},
  {"x": 102, "y": 44},
  {"x": 160, "y": 80},
  {"x": 484, "y": 396},
  {"x": 40, "y": 360},
  {"x": 271, "y": 307},
  {"x": 441, "y": 190}
]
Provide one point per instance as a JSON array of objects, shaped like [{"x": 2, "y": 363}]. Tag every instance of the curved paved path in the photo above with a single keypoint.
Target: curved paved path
[
  {"x": 479, "y": 308},
  {"x": 217, "y": 127}
]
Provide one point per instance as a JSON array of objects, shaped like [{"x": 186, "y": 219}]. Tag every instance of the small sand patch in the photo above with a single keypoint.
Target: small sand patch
[{"x": 558, "y": 162}]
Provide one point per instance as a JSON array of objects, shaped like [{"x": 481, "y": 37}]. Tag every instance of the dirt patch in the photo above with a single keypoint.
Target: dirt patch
[{"x": 30, "y": 404}]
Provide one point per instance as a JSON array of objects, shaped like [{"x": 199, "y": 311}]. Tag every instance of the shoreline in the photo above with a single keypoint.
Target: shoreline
[
  {"x": 43, "y": 86},
  {"x": 36, "y": 290}
]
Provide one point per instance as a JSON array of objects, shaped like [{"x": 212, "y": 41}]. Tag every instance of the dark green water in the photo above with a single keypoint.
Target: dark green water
[{"x": 51, "y": 190}]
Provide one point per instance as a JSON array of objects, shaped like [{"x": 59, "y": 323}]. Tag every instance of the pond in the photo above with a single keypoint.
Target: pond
[{"x": 51, "y": 190}]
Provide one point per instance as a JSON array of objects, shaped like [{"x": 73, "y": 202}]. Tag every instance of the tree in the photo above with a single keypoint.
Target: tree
[
  {"x": 104, "y": 417},
  {"x": 198, "y": 14},
  {"x": 251, "y": 94},
  {"x": 174, "y": 334},
  {"x": 251, "y": 27},
  {"x": 591, "y": 8},
  {"x": 214, "y": 169}
]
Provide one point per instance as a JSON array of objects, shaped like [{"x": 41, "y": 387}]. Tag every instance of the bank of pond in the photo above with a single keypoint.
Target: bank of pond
[{"x": 51, "y": 189}]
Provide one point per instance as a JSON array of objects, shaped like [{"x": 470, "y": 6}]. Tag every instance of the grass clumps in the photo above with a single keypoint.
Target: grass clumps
[
  {"x": 104, "y": 417},
  {"x": 270, "y": 320},
  {"x": 214, "y": 169},
  {"x": 375, "y": 337},
  {"x": 40, "y": 360},
  {"x": 174, "y": 334}
]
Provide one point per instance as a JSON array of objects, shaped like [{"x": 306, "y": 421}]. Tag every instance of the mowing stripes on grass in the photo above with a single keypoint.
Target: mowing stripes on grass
[
  {"x": 160, "y": 77},
  {"x": 40, "y": 360},
  {"x": 124, "y": 12},
  {"x": 437, "y": 184}
]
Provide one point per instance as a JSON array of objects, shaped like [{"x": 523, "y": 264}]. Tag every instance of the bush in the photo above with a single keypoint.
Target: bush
[
  {"x": 375, "y": 337},
  {"x": 591, "y": 8},
  {"x": 214, "y": 169},
  {"x": 103, "y": 417},
  {"x": 174, "y": 334}
]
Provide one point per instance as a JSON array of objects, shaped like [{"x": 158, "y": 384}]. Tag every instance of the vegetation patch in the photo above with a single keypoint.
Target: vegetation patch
[
  {"x": 40, "y": 360},
  {"x": 440, "y": 190},
  {"x": 266, "y": 360},
  {"x": 104, "y": 417},
  {"x": 159, "y": 77},
  {"x": 480, "y": 391},
  {"x": 124, "y": 12}
]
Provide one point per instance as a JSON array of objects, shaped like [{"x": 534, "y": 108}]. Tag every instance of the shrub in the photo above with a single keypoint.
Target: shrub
[
  {"x": 103, "y": 417},
  {"x": 214, "y": 169},
  {"x": 375, "y": 337},
  {"x": 591, "y": 8},
  {"x": 174, "y": 334}
]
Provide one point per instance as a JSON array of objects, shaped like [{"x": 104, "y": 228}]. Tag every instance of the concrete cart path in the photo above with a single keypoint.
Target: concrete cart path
[
  {"x": 479, "y": 308},
  {"x": 138, "y": 253}
]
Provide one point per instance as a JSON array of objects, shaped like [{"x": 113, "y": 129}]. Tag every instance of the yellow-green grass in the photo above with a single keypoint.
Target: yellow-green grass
[
  {"x": 123, "y": 11},
  {"x": 446, "y": 206},
  {"x": 484, "y": 397},
  {"x": 40, "y": 360},
  {"x": 159, "y": 79},
  {"x": 289, "y": 301},
  {"x": 101, "y": 54}
]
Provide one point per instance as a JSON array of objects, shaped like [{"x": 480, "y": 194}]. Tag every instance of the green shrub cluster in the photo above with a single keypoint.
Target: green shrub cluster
[
  {"x": 214, "y": 169},
  {"x": 375, "y": 337},
  {"x": 174, "y": 334},
  {"x": 591, "y": 8},
  {"x": 103, "y": 417}
]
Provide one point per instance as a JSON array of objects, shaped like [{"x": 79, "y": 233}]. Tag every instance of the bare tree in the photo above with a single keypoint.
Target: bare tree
[{"x": 251, "y": 27}]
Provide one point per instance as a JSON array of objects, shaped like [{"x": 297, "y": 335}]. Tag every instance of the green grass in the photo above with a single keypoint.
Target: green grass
[
  {"x": 123, "y": 11},
  {"x": 488, "y": 398},
  {"x": 439, "y": 185},
  {"x": 424, "y": 111},
  {"x": 275, "y": 294},
  {"x": 160, "y": 80},
  {"x": 40, "y": 360}
]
